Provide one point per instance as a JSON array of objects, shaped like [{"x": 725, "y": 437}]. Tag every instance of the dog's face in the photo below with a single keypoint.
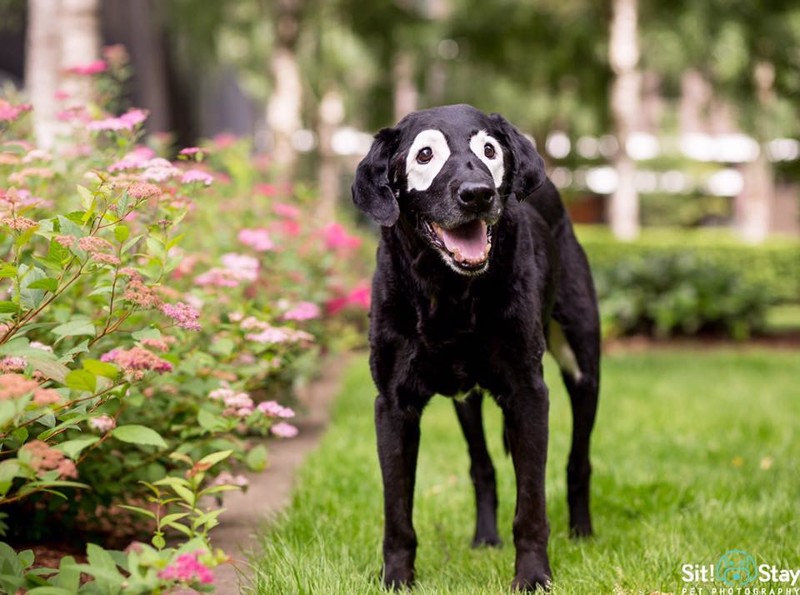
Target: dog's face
[{"x": 448, "y": 172}]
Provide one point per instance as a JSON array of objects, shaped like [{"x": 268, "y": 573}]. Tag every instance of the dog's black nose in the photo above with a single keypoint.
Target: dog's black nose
[{"x": 475, "y": 195}]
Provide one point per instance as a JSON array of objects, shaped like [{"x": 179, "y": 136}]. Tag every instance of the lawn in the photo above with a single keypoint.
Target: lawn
[{"x": 695, "y": 453}]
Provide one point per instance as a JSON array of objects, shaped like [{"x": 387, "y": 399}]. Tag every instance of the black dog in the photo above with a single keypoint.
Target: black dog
[{"x": 478, "y": 273}]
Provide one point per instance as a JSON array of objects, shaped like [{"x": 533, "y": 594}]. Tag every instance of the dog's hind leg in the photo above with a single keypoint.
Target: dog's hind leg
[
  {"x": 576, "y": 347},
  {"x": 481, "y": 470}
]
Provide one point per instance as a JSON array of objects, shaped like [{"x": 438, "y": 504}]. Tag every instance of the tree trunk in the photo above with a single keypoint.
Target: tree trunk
[
  {"x": 331, "y": 114},
  {"x": 754, "y": 205},
  {"x": 405, "y": 89},
  {"x": 285, "y": 103},
  {"x": 623, "y": 209},
  {"x": 61, "y": 34},
  {"x": 80, "y": 45},
  {"x": 42, "y": 68}
]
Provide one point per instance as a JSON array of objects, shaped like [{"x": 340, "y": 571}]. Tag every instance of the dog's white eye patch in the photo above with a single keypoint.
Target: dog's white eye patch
[
  {"x": 421, "y": 175},
  {"x": 479, "y": 144}
]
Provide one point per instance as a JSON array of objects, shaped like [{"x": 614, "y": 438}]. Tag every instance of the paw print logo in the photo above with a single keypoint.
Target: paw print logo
[{"x": 736, "y": 568}]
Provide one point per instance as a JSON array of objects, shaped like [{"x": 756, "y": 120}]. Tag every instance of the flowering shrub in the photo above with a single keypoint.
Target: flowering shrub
[{"x": 152, "y": 313}]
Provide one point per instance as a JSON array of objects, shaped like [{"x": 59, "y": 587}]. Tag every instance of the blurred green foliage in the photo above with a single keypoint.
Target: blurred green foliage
[
  {"x": 690, "y": 282},
  {"x": 773, "y": 267}
]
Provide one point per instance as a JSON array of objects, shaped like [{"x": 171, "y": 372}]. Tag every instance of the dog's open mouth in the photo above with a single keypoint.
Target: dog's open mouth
[{"x": 465, "y": 247}]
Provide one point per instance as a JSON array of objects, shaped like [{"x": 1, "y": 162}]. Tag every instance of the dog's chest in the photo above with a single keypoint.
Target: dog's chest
[{"x": 453, "y": 347}]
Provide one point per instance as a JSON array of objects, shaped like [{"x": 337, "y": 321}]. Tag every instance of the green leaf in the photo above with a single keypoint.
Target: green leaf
[
  {"x": 146, "y": 333},
  {"x": 30, "y": 298},
  {"x": 136, "y": 434},
  {"x": 81, "y": 380},
  {"x": 174, "y": 517},
  {"x": 210, "y": 422},
  {"x": 10, "y": 469},
  {"x": 73, "y": 448},
  {"x": 87, "y": 197},
  {"x": 256, "y": 458},
  {"x": 49, "y": 367},
  {"x": 50, "y": 590},
  {"x": 7, "y": 270},
  {"x": 215, "y": 457},
  {"x": 143, "y": 511},
  {"x": 99, "y": 368},
  {"x": 75, "y": 328},
  {"x": 47, "y": 283},
  {"x": 121, "y": 233},
  {"x": 7, "y": 307}
]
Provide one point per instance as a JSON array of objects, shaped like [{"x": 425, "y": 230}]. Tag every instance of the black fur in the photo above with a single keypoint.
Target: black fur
[{"x": 436, "y": 329}]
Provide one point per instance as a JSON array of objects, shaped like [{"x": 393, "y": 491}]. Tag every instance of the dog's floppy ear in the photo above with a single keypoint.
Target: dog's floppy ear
[
  {"x": 371, "y": 190},
  {"x": 527, "y": 169}
]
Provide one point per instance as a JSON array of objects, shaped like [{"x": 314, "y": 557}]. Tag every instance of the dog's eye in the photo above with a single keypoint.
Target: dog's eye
[
  {"x": 488, "y": 151},
  {"x": 425, "y": 155}
]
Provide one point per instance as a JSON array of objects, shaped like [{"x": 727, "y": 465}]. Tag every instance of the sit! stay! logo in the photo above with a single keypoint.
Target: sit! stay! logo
[{"x": 737, "y": 573}]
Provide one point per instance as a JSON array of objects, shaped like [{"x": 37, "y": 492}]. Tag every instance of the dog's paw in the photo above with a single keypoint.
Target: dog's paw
[
  {"x": 487, "y": 541},
  {"x": 581, "y": 529},
  {"x": 397, "y": 579},
  {"x": 539, "y": 583}
]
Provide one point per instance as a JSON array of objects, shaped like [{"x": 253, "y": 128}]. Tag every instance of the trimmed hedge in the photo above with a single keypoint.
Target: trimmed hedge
[{"x": 773, "y": 266}]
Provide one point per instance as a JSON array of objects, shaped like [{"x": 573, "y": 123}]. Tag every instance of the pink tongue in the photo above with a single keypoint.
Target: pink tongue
[{"x": 468, "y": 240}]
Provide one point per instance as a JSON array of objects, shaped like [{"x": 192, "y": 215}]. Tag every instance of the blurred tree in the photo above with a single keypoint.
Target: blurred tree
[
  {"x": 284, "y": 107},
  {"x": 63, "y": 35},
  {"x": 542, "y": 63},
  {"x": 747, "y": 50},
  {"x": 623, "y": 207}
]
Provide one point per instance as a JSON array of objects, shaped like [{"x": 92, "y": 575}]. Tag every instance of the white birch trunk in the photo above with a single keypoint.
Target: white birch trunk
[
  {"x": 42, "y": 69},
  {"x": 623, "y": 209},
  {"x": 80, "y": 45},
  {"x": 331, "y": 114}
]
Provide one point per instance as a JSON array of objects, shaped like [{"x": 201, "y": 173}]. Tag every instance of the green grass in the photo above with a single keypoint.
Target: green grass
[{"x": 695, "y": 453}]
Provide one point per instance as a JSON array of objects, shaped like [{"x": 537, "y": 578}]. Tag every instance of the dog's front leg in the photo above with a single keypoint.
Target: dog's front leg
[
  {"x": 398, "y": 445},
  {"x": 526, "y": 423}
]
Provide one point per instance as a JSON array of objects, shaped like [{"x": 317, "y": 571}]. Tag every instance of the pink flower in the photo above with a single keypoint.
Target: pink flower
[
  {"x": 46, "y": 396},
  {"x": 226, "y": 478},
  {"x": 9, "y": 113},
  {"x": 159, "y": 170},
  {"x": 197, "y": 176},
  {"x": 134, "y": 117},
  {"x": 257, "y": 239},
  {"x": 127, "y": 121},
  {"x": 269, "y": 336},
  {"x": 266, "y": 189},
  {"x": 242, "y": 266},
  {"x": 136, "y": 159},
  {"x": 284, "y": 430},
  {"x": 282, "y": 209},
  {"x": 336, "y": 237},
  {"x": 13, "y": 386},
  {"x": 143, "y": 190},
  {"x": 136, "y": 361},
  {"x": 187, "y": 569},
  {"x": 275, "y": 409},
  {"x": 95, "y": 67},
  {"x": 41, "y": 457},
  {"x": 360, "y": 296},
  {"x": 103, "y": 423},
  {"x": 190, "y": 151},
  {"x": 183, "y": 314},
  {"x": 13, "y": 363},
  {"x": 217, "y": 277},
  {"x": 302, "y": 311}
]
